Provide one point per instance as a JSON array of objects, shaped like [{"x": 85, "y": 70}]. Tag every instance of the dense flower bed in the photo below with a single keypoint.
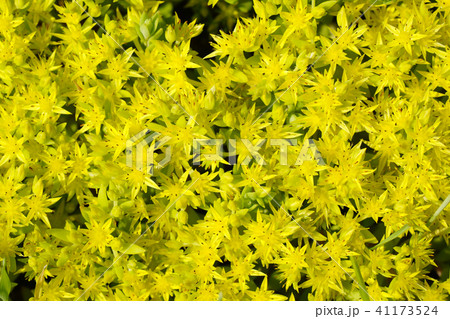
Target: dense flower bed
[{"x": 366, "y": 82}]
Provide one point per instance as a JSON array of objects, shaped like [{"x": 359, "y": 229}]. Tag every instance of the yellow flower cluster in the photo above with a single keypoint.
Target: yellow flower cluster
[{"x": 368, "y": 82}]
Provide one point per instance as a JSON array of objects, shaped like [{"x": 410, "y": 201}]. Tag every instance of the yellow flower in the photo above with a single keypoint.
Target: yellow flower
[
  {"x": 37, "y": 204},
  {"x": 99, "y": 235}
]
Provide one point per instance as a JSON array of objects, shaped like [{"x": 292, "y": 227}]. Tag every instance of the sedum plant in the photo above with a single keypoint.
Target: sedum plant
[{"x": 78, "y": 79}]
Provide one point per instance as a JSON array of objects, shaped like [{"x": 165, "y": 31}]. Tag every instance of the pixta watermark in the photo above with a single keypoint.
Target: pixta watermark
[{"x": 141, "y": 149}]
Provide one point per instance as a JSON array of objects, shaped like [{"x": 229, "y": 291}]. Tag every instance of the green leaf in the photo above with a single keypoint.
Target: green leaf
[
  {"x": 383, "y": 2},
  {"x": 134, "y": 249},
  {"x": 327, "y": 5},
  {"x": 359, "y": 279},
  {"x": 439, "y": 210},
  {"x": 368, "y": 236},
  {"x": 12, "y": 264},
  {"x": 40, "y": 283},
  {"x": 62, "y": 234},
  {"x": 5, "y": 284},
  {"x": 144, "y": 30},
  {"x": 21, "y": 4},
  {"x": 239, "y": 76},
  {"x": 259, "y": 9},
  {"x": 395, "y": 235},
  {"x": 102, "y": 197}
]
